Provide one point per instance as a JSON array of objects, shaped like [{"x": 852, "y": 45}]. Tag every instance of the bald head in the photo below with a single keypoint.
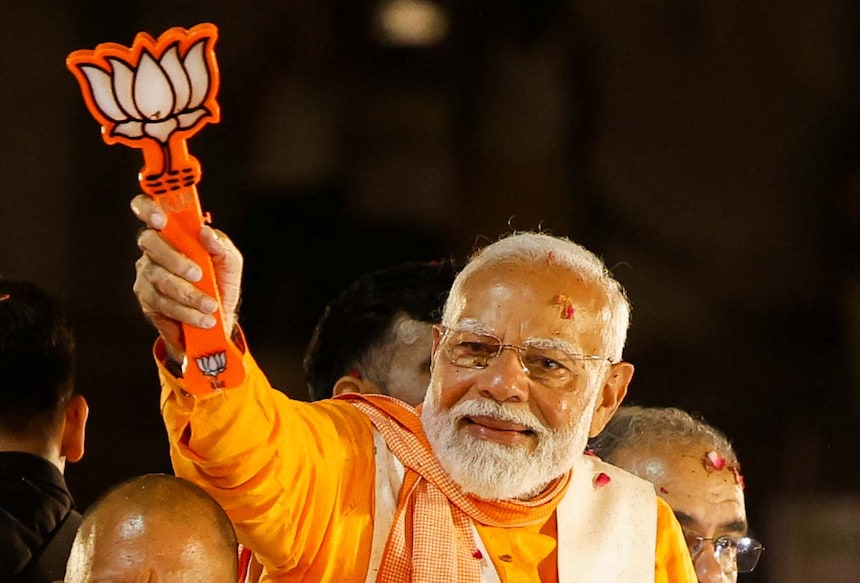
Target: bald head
[{"x": 153, "y": 529}]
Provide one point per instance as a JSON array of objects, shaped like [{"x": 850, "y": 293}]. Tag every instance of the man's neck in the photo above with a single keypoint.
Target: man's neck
[{"x": 37, "y": 447}]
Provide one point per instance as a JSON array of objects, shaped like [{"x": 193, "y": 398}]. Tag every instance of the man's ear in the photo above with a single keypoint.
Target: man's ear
[
  {"x": 74, "y": 428},
  {"x": 351, "y": 384},
  {"x": 437, "y": 339},
  {"x": 611, "y": 395}
]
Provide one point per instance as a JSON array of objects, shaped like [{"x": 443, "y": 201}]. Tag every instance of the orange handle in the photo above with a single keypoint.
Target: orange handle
[{"x": 214, "y": 361}]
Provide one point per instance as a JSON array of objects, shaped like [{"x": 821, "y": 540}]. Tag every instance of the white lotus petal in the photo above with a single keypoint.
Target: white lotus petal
[
  {"x": 160, "y": 130},
  {"x": 102, "y": 90},
  {"x": 178, "y": 78},
  {"x": 189, "y": 118},
  {"x": 131, "y": 129},
  {"x": 195, "y": 66},
  {"x": 123, "y": 79},
  {"x": 153, "y": 93}
]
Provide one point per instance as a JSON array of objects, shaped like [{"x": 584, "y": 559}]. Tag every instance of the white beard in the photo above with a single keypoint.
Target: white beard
[{"x": 493, "y": 471}]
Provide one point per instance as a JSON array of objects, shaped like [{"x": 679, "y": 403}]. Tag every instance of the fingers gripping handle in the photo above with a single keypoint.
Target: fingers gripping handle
[{"x": 214, "y": 361}]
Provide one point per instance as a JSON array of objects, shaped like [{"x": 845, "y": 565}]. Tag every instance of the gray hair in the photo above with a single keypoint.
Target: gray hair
[
  {"x": 536, "y": 249},
  {"x": 634, "y": 428}
]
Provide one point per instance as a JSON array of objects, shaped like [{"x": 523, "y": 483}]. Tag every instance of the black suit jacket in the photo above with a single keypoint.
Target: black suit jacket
[{"x": 38, "y": 519}]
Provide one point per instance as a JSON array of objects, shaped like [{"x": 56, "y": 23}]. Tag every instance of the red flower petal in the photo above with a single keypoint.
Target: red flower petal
[
  {"x": 716, "y": 460},
  {"x": 478, "y": 554},
  {"x": 590, "y": 452},
  {"x": 567, "y": 311},
  {"x": 663, "y": 490},
  {"x": 601, "y": 480}
]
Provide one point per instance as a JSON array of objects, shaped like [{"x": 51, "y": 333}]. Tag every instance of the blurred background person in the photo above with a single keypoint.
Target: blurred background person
[
  {"x": 696, "y": 470},
  {"x": 375, "y": 336},
  {"x": 154, "y": 527},
  {"x": 42, "y": 426}
]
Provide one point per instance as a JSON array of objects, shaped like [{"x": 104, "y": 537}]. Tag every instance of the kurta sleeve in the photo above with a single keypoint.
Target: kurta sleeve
[
  {"x": 296, "y": 478},
  {"x": 672, "y": 561}
]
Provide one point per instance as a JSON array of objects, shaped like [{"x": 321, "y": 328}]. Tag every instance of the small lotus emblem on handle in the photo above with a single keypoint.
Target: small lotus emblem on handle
[{"x": 212, "y": 365}]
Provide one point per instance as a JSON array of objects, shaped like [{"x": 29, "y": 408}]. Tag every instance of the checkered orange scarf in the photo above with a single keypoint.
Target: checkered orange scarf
[{"x": 431, "y": 535}]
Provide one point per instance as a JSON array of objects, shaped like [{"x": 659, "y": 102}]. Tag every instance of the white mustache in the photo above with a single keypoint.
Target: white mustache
[{"x": 495, "y": 410}]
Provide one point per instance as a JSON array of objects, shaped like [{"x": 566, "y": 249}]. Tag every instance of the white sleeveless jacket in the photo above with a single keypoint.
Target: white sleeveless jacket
[{"x": 605, "y": 534}]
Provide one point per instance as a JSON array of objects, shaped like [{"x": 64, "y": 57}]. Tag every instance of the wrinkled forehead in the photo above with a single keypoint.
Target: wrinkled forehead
[
  {"x": 138, "y": 549},
  {"x": 526, "y": 300},
  {"x": 507, "y": 279},
  {"x": 689, "y": 483}
]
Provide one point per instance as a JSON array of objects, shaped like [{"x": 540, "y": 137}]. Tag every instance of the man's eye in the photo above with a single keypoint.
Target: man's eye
[
  {"x": 476, "y": 348},
  {"x": 551, "y": 363},
  {"x": 693, "y": 540},
  {"x": 725, "y": 542},
  {"x": 545, "y": 362}
]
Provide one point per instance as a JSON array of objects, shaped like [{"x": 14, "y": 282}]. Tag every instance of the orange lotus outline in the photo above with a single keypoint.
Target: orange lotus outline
[{"x": 136, "y": 93}]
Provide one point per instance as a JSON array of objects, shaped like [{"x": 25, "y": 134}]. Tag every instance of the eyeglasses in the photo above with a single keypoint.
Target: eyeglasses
[
  {"x": 739, "y": 554},
  {"x": 549, "y": 365}
]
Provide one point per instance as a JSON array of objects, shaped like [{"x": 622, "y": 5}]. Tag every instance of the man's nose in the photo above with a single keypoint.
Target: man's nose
[
  {"x": 506, "y": 378},
  {"x": 708, "y": 570}
]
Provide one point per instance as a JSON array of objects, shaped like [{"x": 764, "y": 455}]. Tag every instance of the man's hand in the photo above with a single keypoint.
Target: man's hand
[{"x": 164, "y": 281}]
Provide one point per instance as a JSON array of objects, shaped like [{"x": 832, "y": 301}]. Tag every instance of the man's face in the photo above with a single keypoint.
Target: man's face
[
  {"x": 141, "y": 549},
  {"x": 499, "y": 432},
  {"x": 709, "y": 503},
  {"x": 409, "y": 371}
]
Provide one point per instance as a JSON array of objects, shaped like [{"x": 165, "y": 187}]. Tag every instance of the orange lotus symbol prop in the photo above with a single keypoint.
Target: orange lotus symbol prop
[{"x": 155, "y": 95}]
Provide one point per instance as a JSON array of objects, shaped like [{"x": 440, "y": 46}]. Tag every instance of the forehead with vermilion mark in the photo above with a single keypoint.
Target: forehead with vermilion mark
[
  {"x": 711, "y": 500},
  {"x": 522, "y": 301}
]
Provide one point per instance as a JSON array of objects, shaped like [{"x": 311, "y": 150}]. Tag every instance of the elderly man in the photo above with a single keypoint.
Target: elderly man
[
  {"x": 697, "y": 472},
  {"x": 154, "y": 527},
  {"x": 486, "y": 483}
]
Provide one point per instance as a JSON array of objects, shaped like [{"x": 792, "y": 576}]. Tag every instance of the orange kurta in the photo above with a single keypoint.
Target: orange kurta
[{"x": 297, "y": 480}]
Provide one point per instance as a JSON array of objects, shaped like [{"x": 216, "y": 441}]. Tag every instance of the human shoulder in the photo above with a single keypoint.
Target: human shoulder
[{"x": 36, "y": 504}]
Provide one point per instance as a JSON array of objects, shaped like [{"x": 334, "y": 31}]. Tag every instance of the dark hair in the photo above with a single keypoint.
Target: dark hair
[
  {"x": 361, "y": 316},
  {"x": 37, "y": 354}
]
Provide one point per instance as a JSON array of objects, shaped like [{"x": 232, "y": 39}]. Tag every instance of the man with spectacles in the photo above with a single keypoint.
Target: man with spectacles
[
  {"x": 486, "y": 481},
  {"x": 695, "y": 469}
]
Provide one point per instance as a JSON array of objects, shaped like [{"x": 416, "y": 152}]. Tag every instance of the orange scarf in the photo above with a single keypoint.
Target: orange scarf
[{"x": 431, "y": 535}]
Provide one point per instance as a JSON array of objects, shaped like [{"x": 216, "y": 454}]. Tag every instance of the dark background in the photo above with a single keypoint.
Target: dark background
[{"x": 707, "y": 150}]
